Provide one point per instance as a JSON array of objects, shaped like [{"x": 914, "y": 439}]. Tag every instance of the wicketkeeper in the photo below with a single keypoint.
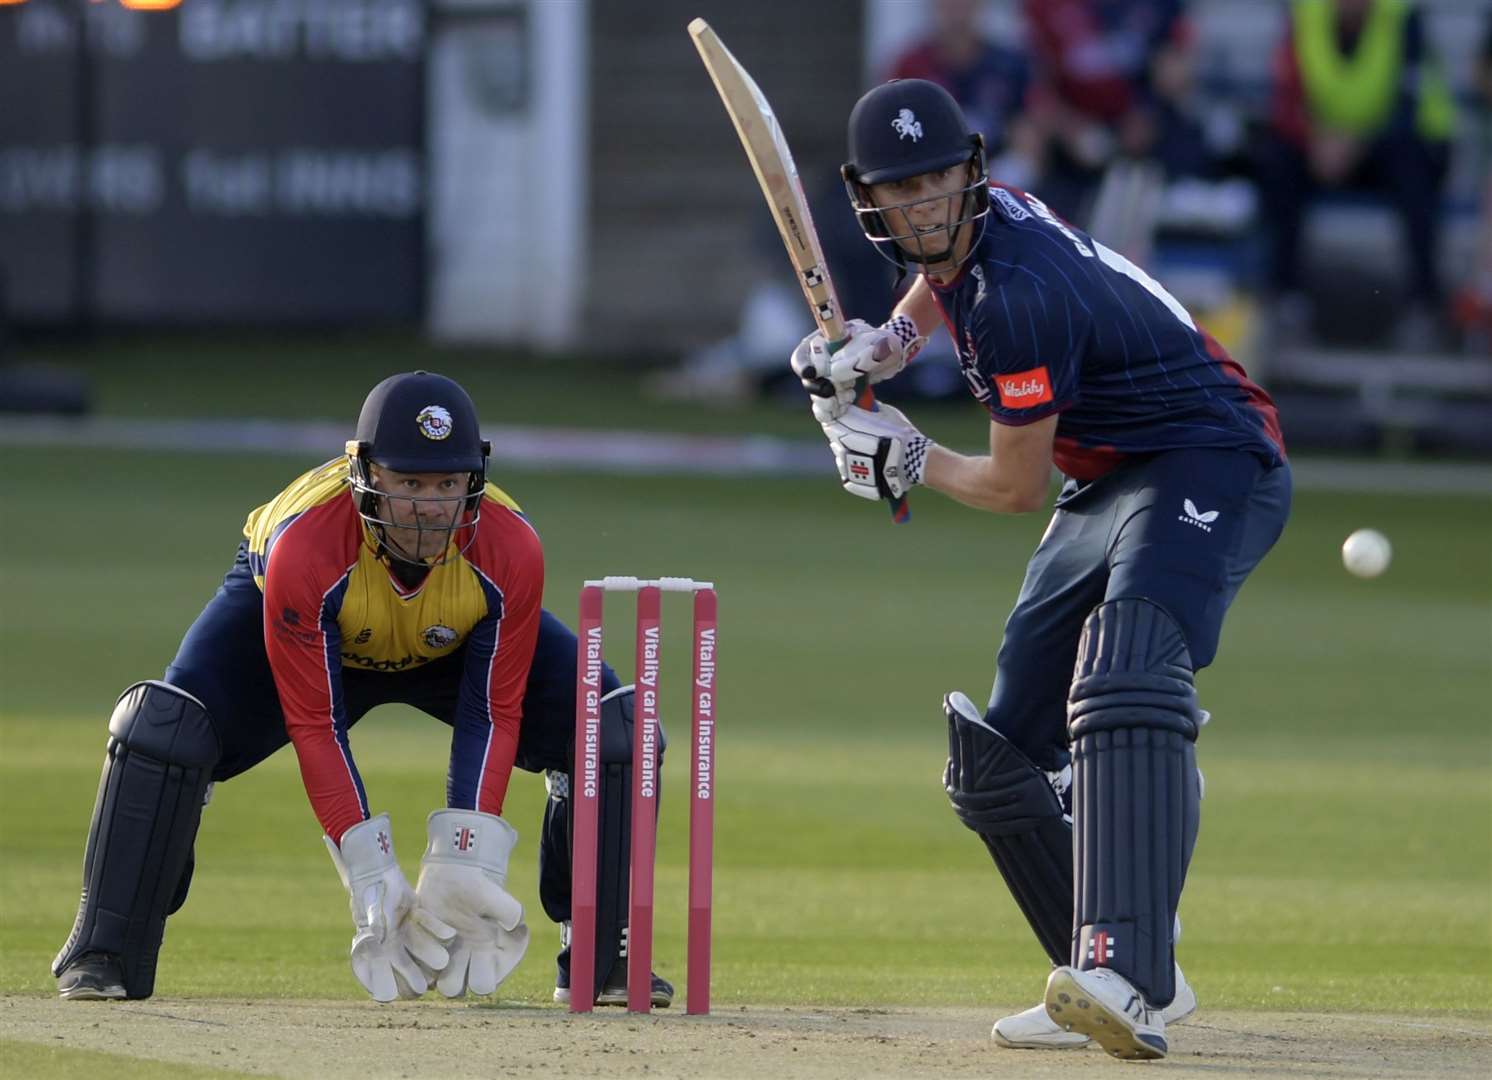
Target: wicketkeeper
[
  {"x": 395, "y": 573},
  {"x": 1079, "y": 775}
]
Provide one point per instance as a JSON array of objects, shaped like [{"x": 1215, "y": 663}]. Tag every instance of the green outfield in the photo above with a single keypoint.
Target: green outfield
[
  {"x": 1347, "y": 829},
  {"x": 1346, "y": 852}
]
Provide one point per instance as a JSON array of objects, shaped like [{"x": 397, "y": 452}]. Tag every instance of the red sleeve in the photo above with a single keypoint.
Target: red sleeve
[
  {"x": 509, "y": 561},
  {"x": 304, "y": 581}
]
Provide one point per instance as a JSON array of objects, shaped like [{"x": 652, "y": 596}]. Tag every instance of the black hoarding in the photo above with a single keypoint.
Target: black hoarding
[{"x": 227, "y": 161}]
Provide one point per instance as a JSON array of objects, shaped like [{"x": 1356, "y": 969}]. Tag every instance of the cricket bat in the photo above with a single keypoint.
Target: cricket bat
[{"x": 772, "y": 161}]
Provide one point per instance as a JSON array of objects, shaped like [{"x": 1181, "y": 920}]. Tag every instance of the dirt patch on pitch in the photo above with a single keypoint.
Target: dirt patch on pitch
[{"x": 430, "y": 1038}]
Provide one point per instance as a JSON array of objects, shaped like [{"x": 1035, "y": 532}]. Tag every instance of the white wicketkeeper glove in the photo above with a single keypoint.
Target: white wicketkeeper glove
[
  {"x": 871, "y": 353},
  {"x": 880, "y": 454},
  {"x": 396, "y": 943},
  {"x": 461, "y": 881}
]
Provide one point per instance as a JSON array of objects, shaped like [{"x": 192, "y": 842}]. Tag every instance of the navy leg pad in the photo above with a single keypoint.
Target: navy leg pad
[
  {"x": 161, "y": 752},
  {"x": 1132, "y": 719},
  {"x": 998, "y": 793}
]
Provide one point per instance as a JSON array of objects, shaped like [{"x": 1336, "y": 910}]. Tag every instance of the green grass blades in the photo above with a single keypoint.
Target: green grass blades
[
  {"x": 1346, "y": 851},
  {"x": 19, "y": 1058}
]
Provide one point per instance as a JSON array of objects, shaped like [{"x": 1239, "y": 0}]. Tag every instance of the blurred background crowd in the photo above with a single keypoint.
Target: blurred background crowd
[{"x": 556, "y": 176}]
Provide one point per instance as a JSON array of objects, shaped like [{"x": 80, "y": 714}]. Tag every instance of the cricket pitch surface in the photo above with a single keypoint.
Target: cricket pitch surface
[{"x": 456, "y": 1039}]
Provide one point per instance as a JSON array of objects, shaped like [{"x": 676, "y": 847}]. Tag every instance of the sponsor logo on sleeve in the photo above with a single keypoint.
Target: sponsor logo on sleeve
[
  {"x": 1010, "y": 204},
  {"x": 1024, "y": 389}
]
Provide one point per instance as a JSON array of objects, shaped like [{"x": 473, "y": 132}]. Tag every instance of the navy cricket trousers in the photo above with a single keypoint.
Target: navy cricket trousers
[
  {"x": 222, "y": 663},
  {"x": 1183, "y": 528}
]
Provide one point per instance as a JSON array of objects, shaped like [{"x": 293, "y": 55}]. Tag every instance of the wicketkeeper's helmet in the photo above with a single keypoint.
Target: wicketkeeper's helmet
[
  {"x": 419, "y": 422},
  {"x": 903, "y": 128}
]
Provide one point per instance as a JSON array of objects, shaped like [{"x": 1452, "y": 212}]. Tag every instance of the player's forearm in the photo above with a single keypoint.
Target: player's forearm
[
  {"x": 977, "y": 482},
  {"x": 921, "y": 306}
]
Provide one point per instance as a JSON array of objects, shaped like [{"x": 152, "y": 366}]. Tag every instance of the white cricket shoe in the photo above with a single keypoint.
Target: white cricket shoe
[
  {"x": 1034, "y": 1029},
  {"x": 1104, "y": 1005}
]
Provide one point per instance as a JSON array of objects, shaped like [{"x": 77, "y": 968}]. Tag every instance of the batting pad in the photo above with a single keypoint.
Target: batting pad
[{"x": 1132, "y": 718}]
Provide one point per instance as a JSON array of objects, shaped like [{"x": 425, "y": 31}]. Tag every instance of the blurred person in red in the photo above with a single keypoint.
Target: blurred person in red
[
  {"x": 1473, "y": 305},
  {"x": 1360, "y": 103},
  {"x": 1112, "y": 78},
  {"x": 990, "y": 82}
]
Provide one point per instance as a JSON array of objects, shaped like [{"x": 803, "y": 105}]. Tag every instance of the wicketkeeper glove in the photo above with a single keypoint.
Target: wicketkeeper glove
[
  {"x": 395, "y": 943},
  {"x": 462, "y": 878},
  {"x": 880, "y": 454},
  {"x": 871, "y": 353}
]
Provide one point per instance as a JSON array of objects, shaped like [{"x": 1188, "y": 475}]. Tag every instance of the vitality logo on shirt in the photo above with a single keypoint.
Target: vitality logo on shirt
[
  {"x": 1024, "y": 389},
  {"x": 1201, "y": 519}
]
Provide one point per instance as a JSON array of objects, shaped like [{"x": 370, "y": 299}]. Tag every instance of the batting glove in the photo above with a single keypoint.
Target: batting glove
[
  {"x": 461, "y": 881},
  {"x": 871, "y": 353},
  {"x": 880, "y": 454},
  {"x": 395, "y": 943}
]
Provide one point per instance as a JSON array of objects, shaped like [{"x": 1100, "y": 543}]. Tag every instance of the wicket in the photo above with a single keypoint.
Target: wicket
[{"x": 586, "y": 789}]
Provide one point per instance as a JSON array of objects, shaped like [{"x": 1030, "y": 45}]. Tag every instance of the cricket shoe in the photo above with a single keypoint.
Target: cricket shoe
[
  {"x": 1034, "y": 1029},
  {"x": 614, "y": 989},
  {"x": 1105, "y": 1006},
  {"x": 94, "y": 976}
]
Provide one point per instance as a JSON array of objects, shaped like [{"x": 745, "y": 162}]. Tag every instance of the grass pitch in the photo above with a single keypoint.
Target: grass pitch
[{"x": 1345, "y": 861}]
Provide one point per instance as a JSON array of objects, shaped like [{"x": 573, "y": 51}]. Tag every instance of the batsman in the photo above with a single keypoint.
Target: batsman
[
  {"x": 393, "y": 573},
  {"x": 1079, "y": 775}
]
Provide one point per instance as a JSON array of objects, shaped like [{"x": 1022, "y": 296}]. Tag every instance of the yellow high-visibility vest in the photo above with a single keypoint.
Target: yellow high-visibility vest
[{"x": 1355, "y": 94}]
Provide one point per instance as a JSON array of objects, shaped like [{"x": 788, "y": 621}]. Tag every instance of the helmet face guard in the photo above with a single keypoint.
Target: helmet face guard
[
  {"x": 913, "y": 246},
  {"x": 461, "y": 513},
  {"x": 905, "y": 128}
]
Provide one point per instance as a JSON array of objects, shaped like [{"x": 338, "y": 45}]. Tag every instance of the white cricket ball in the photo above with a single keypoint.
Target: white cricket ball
[{"x": 1366, "y": 553}]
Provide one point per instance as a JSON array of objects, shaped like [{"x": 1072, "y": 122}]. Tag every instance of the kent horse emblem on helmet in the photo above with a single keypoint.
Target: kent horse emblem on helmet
[
  {"x": 435, "y": 422},
  {"x": 906, "y": 124}
]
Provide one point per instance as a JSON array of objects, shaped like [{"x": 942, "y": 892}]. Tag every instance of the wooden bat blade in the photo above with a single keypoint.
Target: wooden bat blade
[{"x": 766, "y": 148}]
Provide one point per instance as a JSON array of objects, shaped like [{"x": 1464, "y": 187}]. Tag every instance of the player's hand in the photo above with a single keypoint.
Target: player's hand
[
  {"x": 871, "y": 353},
  {"x": 395, "y": 944},
  {"x": 462, "y": 879},
  {"x": 880, "y": 454}
]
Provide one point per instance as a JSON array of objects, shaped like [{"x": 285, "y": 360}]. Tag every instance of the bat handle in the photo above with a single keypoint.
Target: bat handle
[{"x": 901, "y": 513}]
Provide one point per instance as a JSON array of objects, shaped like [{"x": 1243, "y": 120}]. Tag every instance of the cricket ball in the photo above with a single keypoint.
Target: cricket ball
[{"x": 1366, "y": 553}]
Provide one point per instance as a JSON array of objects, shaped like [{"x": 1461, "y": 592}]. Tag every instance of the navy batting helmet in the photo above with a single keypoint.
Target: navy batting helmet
[
  {"x": 419, "y": 422},
  {"x": 904, "y": 128}
]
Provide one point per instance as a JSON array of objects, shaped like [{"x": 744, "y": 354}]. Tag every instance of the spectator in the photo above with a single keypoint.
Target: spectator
[
  {"x": 1113, "y": 77},
  {"x": 1359, "y": 102},
  {"x": 1474, "y": 302},
  {"x": 988, "y": 80}
]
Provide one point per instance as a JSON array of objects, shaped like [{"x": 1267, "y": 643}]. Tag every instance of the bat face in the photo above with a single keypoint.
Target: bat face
[{"x": 767, "y": 150}]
